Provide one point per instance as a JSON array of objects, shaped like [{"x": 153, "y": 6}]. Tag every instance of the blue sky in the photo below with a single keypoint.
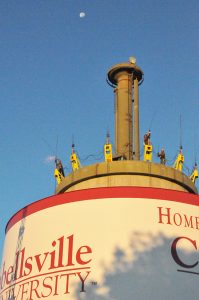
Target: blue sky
[{"x": 53, "y": 88}]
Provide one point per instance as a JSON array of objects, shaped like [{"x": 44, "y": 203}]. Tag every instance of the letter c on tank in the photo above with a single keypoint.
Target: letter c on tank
[{"x": 176, "y": 256}]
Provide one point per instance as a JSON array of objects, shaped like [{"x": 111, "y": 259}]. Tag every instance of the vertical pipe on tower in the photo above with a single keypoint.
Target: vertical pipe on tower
[
  {"x": 123, "y": 77},
  {"x": 136, "y": 119},
  {"x": 123, "y": 116}
]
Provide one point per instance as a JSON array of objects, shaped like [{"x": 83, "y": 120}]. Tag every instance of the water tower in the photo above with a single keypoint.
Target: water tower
[{"x": 119, "y": 229}]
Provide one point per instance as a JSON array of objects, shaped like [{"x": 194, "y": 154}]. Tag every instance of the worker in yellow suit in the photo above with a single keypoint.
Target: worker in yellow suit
[
  {"x": 194, "y": 174},
  {"x": 148, "y": 148},
  {"x": 178, "y": 165},
  {"x": 74, "y": 159},
  {"x": 108, "y": 155},
  {"x": 59, "y": 171}
]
